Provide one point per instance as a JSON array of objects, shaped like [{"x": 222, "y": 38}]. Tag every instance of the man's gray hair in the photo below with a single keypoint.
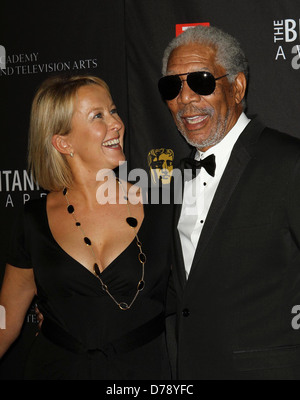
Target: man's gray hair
[{"x": 228, "y": 50}]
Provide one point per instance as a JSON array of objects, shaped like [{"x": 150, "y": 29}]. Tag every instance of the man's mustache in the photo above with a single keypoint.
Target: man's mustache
[{"x": 193, "y": 110}]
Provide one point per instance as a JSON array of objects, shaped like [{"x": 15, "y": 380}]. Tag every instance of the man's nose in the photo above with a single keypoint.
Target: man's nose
[{"x": 187, "y": 95}]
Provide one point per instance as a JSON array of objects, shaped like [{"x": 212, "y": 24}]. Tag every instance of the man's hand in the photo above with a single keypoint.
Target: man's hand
[{"x": 40, "y": 318}]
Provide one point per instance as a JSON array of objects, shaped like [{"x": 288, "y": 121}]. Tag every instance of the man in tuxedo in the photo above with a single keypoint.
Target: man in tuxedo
[{"x": 236, "y": 236}]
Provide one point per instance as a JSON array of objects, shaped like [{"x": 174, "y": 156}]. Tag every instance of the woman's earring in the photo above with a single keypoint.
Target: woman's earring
[{"x": 72, "y": 154}]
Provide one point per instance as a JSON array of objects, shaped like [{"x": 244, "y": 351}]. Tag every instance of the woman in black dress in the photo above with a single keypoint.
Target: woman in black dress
[{"x": 99, "y": 271}]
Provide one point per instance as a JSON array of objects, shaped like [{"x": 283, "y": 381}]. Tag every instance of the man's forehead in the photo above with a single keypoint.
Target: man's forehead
[{"x": 202, "y": 56}]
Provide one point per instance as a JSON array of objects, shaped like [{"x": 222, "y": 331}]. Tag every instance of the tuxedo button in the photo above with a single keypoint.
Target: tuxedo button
[{"x": 186, "y": 312}]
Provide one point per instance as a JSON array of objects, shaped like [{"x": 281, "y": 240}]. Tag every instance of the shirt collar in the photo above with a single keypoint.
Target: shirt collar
[{"x": 223, "y": 149}]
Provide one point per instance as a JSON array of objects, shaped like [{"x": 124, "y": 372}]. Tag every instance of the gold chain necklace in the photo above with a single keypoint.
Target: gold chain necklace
[{"x": 132, "y": 222}]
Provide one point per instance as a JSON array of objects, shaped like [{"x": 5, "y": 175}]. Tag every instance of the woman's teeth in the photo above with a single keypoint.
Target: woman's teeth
[{"x": 112, "y": 142}]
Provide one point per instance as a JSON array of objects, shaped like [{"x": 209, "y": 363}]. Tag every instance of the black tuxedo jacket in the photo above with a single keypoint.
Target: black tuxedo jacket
[{"x": 234, "y": 313}]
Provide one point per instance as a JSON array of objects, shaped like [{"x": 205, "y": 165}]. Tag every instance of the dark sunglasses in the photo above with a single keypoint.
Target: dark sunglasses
[{"x": 201, "y": 82}]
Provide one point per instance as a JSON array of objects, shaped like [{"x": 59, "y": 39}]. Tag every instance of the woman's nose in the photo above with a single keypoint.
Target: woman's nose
[{"x": 116, "y": 124}]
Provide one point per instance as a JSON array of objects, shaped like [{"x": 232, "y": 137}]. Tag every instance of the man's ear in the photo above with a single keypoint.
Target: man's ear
[
  {"x": 61, "y": 144},
  {"x": 240, "y": 85}
]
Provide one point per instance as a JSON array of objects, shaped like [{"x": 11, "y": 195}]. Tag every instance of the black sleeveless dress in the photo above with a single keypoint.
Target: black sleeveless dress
[{"x": 88, "y": 336}]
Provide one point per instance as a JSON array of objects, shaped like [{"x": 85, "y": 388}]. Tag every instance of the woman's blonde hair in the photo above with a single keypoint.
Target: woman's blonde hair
[{"x": 51, "y": 114}]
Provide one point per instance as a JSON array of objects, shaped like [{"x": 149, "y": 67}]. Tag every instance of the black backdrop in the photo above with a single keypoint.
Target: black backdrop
[{"x": 122, "y": 41}]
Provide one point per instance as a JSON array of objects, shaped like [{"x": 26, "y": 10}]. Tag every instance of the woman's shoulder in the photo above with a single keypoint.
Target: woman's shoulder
[{"x": 158, "y": 205}]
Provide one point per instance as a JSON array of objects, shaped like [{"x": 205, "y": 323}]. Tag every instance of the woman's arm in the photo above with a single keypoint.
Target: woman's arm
[{"x": 17, "y": 292}]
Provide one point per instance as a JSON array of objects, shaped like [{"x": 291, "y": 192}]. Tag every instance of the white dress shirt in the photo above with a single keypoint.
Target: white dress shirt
[{"x": 199, "y": 192}]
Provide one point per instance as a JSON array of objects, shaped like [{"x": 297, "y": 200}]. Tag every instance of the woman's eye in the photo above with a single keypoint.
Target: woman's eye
[
  {"x": 99, "y": 115},
  {"x": 114, "y": 111}
]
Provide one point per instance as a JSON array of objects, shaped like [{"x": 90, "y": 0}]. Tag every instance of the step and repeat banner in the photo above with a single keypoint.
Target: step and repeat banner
[{"x": 122, "y": 41}]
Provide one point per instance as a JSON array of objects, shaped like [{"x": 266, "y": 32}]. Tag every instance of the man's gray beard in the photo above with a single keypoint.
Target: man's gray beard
[{"x": 213, "y": 139}]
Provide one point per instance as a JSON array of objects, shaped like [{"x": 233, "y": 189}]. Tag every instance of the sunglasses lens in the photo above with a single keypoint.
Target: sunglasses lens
[
  {"x": 169, "y": 87},
  {"x": 202, "y": 83}
]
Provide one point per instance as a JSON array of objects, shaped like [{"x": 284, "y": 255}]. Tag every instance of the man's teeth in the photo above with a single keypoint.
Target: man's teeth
[
  {"x": 196, "y": 119},
  {"x": 111, "y": 142}
]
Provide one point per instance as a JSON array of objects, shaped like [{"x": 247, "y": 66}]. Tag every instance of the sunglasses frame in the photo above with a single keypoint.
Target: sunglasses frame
[{"x": 203, "y": 73}]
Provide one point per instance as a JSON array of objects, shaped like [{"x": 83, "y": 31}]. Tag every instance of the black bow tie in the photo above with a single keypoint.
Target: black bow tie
[{"x": 209, "y": 163}]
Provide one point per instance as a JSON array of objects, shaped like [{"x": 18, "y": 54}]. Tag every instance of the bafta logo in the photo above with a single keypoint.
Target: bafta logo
[{"x": 160, "y": 162}]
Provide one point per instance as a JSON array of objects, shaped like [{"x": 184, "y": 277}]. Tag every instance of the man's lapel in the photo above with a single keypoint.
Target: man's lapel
[
  {"x": 239, "y": 159},
  {"x": 178, "y": 260}
]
